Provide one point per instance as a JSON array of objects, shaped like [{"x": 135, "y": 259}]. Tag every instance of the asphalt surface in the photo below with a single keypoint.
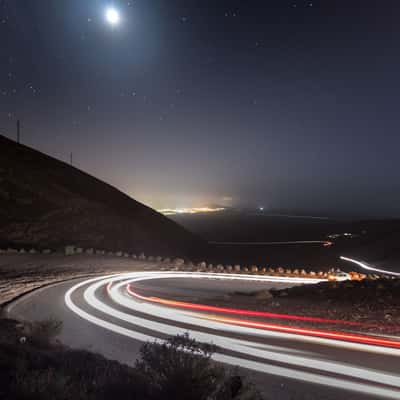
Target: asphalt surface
[{"x": 114, "y": 324}]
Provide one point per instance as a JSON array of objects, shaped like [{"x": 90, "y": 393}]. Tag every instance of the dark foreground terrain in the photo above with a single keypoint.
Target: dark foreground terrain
[
  {"x": 28, "y": 364},
  {"x": 32, "y": 367}
]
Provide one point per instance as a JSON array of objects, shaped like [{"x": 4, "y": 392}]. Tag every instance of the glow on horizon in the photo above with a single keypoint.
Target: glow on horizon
[{"x": 190, "y": 210}]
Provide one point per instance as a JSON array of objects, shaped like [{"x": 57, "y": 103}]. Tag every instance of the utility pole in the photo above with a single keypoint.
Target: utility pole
[
  {"x": 18, "y": 131},
  {"x": 70, "y": 158}
]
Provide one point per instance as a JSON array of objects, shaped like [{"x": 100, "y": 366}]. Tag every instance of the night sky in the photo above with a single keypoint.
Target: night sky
[{"x": 281, "y": 104}]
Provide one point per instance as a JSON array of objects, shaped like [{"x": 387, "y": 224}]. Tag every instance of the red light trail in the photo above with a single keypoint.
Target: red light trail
[
  {"x": 275, "y": 327},
  {"x": 236, "y": 311}
]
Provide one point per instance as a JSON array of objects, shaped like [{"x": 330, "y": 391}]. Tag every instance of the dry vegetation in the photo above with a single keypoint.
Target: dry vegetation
[{"x": 37, "y": 369}]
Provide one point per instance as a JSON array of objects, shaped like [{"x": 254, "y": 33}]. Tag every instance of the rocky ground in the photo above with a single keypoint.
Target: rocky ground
[{"x": 373, "y": 303}]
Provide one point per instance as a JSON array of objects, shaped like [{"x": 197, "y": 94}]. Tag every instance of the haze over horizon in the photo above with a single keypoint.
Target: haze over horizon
[{"x": 280, "y": 104}]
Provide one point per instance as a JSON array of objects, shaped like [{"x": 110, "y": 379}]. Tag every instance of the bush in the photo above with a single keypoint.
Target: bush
[
  {"x": 45, "y": 384},
  {"x": 43, "y": 332},
  {"x": 181, "y": 368}
]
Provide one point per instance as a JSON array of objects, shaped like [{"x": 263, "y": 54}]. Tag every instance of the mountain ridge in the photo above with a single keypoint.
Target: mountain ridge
[{"x": 45, "y": 202}]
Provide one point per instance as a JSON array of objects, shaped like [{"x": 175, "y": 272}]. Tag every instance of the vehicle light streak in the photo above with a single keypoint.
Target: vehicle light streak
[
  {"x": 289, "y": 360},
  {"x": 310, "y": 332},
  {"x": 235, "y": 311},
  {"x": 368, "y": 267}
]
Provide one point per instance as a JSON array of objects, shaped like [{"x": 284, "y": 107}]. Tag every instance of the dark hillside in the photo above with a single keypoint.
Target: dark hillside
[{"x": 47, "y": 203}]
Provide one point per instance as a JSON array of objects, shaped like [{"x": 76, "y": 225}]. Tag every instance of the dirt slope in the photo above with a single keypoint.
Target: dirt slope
[{"x": 47, "y": 203}]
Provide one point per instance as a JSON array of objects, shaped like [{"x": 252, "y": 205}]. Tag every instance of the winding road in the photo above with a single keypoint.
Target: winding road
[{"x": 115, "y": 314}]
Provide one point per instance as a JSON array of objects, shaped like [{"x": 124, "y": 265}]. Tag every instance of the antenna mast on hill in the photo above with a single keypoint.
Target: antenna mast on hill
[
  {"x": 70, "y": 158},
  {"x": 18, "y": 131}
]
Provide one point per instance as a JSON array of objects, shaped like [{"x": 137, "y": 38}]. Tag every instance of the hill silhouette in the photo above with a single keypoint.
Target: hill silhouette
[{"x": 45, "y": 202}]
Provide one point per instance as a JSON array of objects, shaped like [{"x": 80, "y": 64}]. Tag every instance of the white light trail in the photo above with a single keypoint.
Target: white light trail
[
  {"x": 371, "y": 382},
  {"x": 368, "y": 267}
]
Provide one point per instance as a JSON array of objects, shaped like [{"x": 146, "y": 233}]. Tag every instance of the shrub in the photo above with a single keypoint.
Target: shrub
[
  {"x": 181, "y": 368},
  {"x": 39, "y": 385},
  {"x": 177, "y": 369},
  {"x": 43, "y": 332}
]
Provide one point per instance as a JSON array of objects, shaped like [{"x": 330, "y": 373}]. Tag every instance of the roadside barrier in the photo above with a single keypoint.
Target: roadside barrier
[{"x": 178, "y": 264}]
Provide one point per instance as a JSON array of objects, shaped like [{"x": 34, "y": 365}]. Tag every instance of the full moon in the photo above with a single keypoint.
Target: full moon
[{"x": 112, "y": 16}]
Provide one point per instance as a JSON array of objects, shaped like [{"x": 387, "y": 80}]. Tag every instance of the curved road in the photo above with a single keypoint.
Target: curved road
[{"x": 113, "y": 315}]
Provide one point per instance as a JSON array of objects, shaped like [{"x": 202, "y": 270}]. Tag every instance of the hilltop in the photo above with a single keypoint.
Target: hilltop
[{"x": 45, "y": 202}]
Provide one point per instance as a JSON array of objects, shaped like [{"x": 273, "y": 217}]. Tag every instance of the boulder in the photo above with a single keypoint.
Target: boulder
[
  {"x": 69, "y": 250},
  {"x": 220, "y": 268},
  {"x": 189, "y": 265},
  {"x": 236, "y": 268},
  {"x": 179, "y": 262},
  {"x": 264, "y": 295},
  {"x": 388, "y": 317},
  {"x": 202, "y": 265},
  {"x": 254, "y": 269},
  {"x": 380, "y": 286}
]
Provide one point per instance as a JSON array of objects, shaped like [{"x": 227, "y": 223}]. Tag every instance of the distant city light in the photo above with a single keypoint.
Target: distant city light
[
  {"x": 112, "y": 16},
  {"x": 194, "y": 210}
]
